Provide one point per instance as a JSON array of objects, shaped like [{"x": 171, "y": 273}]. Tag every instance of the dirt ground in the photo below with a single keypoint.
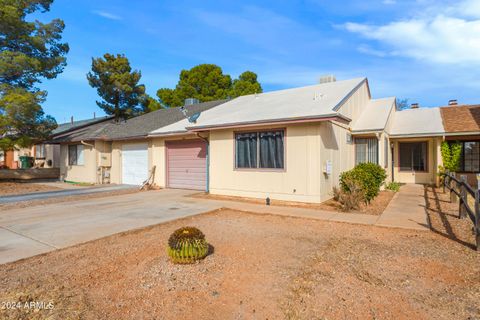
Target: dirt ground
[
  {"x": 25, "y": 204},
  {"x": 376, "y": 206},
  {"x": 443, "y": 217},
  {"x": 262, "y": 267},
  {"x": 11, "y": 188}
]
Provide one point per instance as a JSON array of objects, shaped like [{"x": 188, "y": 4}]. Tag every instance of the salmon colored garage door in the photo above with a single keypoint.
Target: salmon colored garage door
[{"x": 186, "y": 164}]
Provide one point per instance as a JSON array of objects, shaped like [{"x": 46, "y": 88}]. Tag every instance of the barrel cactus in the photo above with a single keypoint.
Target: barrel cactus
[{"x": 187, "y": 245}]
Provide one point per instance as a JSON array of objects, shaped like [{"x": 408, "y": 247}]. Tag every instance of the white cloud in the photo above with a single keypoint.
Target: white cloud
[
  {"x": 444, "y": 37},
  {"x": 107, "y": 15}
]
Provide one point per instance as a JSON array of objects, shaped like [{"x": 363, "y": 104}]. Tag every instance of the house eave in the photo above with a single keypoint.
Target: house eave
[{"x": 329, "y": 117}]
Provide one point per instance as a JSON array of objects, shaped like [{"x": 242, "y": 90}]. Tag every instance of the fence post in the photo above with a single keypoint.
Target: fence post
[
  {"x": 462, "y": 211},
  {"x": 477, "y": 219},
  {"x": 453, "y": 197},
  {"x": 444, "y": 180}
]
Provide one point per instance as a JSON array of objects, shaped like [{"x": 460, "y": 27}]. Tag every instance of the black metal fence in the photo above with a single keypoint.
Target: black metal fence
[{"x": 468, "y": 200}]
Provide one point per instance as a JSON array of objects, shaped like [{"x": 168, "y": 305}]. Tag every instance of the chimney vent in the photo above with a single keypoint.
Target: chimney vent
[
  {"x": 191, "y": 101},
  {"x": 414, "y": 106},
  {"x": 452, "y": 102},
  {"x": 327, "y": 78}
]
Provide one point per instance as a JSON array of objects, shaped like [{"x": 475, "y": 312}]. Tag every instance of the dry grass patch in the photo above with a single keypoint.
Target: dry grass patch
[
  {"x": 18, "y": 187},
  {"x": 262, "y": 267}
]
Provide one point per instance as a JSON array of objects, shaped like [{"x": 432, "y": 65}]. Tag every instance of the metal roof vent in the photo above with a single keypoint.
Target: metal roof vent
[
  {"x": 191, "y": 101},
  {"x": 328, "y": 78},
  {"x": 414, "y": 106},
  {"x": 452, "y": 102}
]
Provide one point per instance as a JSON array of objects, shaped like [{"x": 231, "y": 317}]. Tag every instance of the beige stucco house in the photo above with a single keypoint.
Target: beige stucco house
[{"x": 287, "y": 145}]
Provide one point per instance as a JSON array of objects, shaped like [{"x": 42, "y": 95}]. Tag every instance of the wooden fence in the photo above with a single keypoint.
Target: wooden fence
[{"x": 468, "y": 200}]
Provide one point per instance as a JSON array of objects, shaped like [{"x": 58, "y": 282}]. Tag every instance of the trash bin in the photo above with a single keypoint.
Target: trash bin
[{"x": 25, "y": 162}]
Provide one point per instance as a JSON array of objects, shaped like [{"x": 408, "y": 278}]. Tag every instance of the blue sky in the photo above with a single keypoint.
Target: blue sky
[{"x": 426, "y": 51}]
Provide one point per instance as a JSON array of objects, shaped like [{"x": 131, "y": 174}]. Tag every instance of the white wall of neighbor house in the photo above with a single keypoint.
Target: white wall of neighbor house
[{"x": 87, "y": 172}]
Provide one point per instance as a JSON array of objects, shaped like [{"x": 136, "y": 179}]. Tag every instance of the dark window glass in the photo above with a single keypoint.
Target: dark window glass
[
  {"x": 72, "y": 155},
  {"x": 264, "y": 149},
  {"x": 470, "y": 159},
  {"x": 366, "y": 150},
  {"x": 246, "y": 150},
  {"x": 413, "y": 156},
  {"x": 271, "y": 149}
]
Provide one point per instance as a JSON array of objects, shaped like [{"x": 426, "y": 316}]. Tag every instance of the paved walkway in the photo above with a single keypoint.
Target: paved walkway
[
  {"x": 406, "y": 210},
  {"x": 63, "y": 193}
]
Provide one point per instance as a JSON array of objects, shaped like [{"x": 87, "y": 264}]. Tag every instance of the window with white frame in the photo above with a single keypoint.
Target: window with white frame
[
  {"x": 40, "y": 151},
  {"x": 366, "y": 150},
  {"x": 263, "y": 149},
  {"x": 75, "y": 155}
]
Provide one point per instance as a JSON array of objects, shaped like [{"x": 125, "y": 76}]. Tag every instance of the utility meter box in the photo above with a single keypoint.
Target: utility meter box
[{"x": 105, "y": 159}]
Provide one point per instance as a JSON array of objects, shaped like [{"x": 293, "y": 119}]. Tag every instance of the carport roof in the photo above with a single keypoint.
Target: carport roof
[{"x": 136, "y": 127}]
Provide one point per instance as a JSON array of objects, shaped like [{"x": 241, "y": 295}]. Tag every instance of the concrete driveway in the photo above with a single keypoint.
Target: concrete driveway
[{"x": 29, "y": 231}]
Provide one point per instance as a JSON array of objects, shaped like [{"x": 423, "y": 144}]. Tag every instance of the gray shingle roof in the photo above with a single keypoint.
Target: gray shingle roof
[
  {"x": 68, "y": 126},
  {"x": 136, "y": 127}
]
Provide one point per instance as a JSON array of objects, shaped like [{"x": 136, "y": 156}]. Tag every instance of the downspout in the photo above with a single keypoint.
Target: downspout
[{"x": 208, "y": 161}]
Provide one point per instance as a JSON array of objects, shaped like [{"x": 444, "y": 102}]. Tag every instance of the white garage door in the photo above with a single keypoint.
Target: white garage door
[{"x": 134, "y": 163}]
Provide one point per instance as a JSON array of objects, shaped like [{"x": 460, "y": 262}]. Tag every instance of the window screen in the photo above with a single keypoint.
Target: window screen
[{"x": 366, "y": 150}]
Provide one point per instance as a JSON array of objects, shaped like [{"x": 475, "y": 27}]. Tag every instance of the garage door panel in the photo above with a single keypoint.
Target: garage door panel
[
  {"x": 186, "y": 164},
  {"x": 134, "y": 163}
]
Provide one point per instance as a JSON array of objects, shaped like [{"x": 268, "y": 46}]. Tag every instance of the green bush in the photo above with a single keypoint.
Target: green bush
[
  {"x": 393, "y": 186},
  {"x": 187, "y": 245},
  {"x": 368, "y": 176}
]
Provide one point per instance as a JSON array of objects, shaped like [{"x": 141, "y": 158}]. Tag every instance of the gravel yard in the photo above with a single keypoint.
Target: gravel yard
[
  {"x": 10, "y": 188},
  {"x": 262, "y": 267},
  {"x": 376, "y": 206}
]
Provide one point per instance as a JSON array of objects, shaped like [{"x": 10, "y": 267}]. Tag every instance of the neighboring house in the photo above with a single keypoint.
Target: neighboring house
[
  {"x": 47, "y": 154},
  {"x": 117, "y": 152},
  {"x": 462, "y": 124},
  {"x": 288, "y": 145}
]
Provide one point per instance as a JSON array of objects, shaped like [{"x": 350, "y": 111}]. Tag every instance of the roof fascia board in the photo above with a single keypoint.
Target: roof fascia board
[{"x": 330, "y": 117}]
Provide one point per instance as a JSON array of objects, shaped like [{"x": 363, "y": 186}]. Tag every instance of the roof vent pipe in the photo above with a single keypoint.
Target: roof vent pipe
[
  {"x": 414, "y": 106},
  {"x": 452, "y": 102},
  {"x": 71, "y": 119}
]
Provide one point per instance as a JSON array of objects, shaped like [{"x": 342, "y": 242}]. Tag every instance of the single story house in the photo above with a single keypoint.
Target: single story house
[
  {"x": 288, "y": 145},
  {"x": 116, "y": 152}
]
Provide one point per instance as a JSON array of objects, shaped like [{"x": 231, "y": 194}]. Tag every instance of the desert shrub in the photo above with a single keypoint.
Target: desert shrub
[
  {"x": 351, "y": 199},
  {"x": 393, "y": 186},
  {"x": 368, "y": 176},
  {"x": 187, "y": 245}
]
